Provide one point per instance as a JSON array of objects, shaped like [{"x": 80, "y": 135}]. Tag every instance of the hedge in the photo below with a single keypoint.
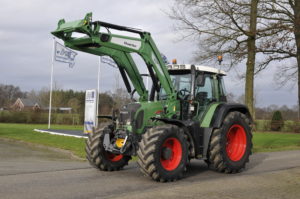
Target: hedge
[{"x": 40, "y": 118}]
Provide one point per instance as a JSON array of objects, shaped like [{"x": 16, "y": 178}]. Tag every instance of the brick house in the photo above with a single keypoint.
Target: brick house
[{"x": 22, "y": 104}]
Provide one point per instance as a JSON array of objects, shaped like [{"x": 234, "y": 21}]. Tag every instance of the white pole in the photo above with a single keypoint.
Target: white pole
[
  {"x": 98, "y": 91},
  {"x": 99, "y": 66},
  {"x": 51, "y": 83}
]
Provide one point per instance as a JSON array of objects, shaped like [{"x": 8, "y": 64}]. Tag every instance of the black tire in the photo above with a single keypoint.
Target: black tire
[
  {"x": 98, "y": 157},
  {"x": 163, "y": 164},
  {"x": 224, "y": 155}
]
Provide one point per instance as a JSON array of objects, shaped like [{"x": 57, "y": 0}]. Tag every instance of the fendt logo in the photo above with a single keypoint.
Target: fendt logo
[
  {"x": 134, "y": 44},
  {"x": 129, "y": 44}
]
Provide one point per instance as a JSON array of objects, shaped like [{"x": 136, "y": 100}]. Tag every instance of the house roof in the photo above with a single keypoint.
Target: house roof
[{"x": 28, "y": 102}]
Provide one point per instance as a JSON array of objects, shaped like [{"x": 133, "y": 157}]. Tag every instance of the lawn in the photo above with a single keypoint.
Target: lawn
[
  {"x": 271, "y": 141},
  {"x": 25, "y": 133},
  {"x": 262, "y": 142}
]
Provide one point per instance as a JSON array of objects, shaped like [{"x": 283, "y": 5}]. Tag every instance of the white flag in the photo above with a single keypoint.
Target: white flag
[{"x": 64, "y": 54}]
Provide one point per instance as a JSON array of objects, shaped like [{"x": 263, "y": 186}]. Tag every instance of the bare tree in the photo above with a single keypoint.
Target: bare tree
[
  {"x": 33, "y": 96},
  {"x": 282, "y": 41},
  {"x": 74, "y": 104},
  {"x": 8, "y": 94},
  {"x": 106, "y": 103},
  {"x": 121, "y": 98},
  {"x": 222, "y": 27},
  {"x": 43, "y": 97}
]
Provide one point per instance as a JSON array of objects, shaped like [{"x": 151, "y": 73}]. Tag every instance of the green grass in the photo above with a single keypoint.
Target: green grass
[
  {"x": 269, "y": 141},
  {"x": 262, "y": 142},
  {"x": 24, "y": 132}
]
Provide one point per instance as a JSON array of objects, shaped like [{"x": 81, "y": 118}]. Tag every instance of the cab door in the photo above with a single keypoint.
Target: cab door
[{"x": 205, "y": 94}]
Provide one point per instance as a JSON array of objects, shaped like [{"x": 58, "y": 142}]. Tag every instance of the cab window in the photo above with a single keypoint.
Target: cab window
[
  {"x": 181, "y": 82},
  {"x": 222, "y": 90},
  {"x": 204, "y": 93}
]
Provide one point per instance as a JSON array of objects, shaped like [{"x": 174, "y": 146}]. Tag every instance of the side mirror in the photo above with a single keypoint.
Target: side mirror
[{"x": 200, "y": 80}]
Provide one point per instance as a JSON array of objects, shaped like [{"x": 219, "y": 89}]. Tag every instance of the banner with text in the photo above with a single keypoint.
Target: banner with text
[
  {"x": 90, "y": 112},
  {"x": 64, "y": 54}
]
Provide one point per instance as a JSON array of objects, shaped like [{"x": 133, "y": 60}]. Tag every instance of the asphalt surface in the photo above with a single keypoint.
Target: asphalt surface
[{"x": 29, "y": 172}]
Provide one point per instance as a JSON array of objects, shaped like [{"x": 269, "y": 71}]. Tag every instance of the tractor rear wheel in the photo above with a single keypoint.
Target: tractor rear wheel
[
  {"x": 231, "y": 145},
  {"x": 163, "y": 153},
  {"x": 101, "y": 159}
]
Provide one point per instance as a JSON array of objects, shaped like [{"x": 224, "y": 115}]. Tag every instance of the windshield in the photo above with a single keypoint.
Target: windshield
[{"x": 181, "y": 82}]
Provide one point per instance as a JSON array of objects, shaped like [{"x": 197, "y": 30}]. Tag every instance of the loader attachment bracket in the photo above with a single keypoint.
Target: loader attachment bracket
[{"x": 65, "y": 29}]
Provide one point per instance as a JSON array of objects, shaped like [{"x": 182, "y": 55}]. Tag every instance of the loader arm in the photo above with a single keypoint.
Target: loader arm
[{"x": 119, "y": 48}]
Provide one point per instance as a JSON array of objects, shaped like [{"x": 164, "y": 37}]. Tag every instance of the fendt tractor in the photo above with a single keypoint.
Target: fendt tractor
[{"x": 183, "y": 116}]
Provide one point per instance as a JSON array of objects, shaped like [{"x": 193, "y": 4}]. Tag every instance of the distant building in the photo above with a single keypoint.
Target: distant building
[
  {"x": 59, "y": 109},
  {"x": 22, "y": 104},
  {"x": 65, "y": 109}
]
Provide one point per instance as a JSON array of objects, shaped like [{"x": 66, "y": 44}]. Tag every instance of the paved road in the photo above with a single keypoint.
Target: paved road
[{"x": 28, "y": 172}]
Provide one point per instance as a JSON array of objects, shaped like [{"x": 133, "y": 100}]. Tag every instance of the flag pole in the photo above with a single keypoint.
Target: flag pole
[
  {"x": 51, "y": 83},
  {"x": 99, "y": 66},
  {"x": 98, "y": 87}
]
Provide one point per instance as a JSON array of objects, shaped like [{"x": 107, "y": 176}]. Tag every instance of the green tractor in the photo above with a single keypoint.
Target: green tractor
[{"x": 184, "y": 116}]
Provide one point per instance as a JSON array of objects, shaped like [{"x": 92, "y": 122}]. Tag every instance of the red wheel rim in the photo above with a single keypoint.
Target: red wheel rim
[
  {"x": 173, "y": 161},
  {"x": 236, "y": 142},
  {"x": 113, "y": 157}
]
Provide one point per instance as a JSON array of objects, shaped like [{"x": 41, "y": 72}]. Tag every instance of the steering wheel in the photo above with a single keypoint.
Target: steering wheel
[{"x": 184, "y": 94}]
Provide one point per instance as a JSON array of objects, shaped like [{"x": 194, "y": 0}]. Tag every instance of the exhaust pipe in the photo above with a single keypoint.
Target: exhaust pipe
[{"x": 192, "y": 93}]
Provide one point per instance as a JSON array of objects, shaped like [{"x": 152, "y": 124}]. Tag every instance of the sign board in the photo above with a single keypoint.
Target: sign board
[{"x": 90, "y": 112}]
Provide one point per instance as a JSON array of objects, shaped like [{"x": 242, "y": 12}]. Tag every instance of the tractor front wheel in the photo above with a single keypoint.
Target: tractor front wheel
[
  {"x": 101, "y": 159},
  {"x": 231, "y": 145},
  {"x": 162, "y": 153}
]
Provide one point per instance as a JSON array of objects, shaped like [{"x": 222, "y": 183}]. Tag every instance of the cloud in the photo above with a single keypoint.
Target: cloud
[{"x": 26, "y": 43}]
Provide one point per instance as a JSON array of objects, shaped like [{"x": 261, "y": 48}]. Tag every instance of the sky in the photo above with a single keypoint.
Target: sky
[{"x": 26, "y": 46}]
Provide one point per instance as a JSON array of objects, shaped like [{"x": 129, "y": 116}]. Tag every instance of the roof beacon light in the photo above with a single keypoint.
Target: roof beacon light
[
  {"x": 220, "y": 59},
  {"x": 174, "y": 61}
]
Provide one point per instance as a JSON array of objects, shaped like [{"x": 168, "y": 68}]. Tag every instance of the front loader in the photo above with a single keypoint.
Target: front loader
[{"x": 184, "y": 116}]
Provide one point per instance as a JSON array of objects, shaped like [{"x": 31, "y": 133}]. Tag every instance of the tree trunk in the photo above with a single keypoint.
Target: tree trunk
[
  {"x": 249, "y": 87},
  {"x": 297, "y": 37},
  {"x": 298, "y": 63}
]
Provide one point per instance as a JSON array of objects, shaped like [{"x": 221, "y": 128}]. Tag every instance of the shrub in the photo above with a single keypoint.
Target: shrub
[
  {"x": 277, "y": 121},
  {"x": 296, "y": 127},
  {"x": 288, "y": 126},
  {"x": 262, "y": 125}
]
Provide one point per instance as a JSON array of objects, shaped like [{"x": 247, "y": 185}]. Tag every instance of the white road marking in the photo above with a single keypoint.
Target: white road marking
[{"x": 56, "y": 133}]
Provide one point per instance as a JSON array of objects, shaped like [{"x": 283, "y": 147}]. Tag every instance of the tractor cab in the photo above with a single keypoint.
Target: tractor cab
[{"x": 201, "y": 89}]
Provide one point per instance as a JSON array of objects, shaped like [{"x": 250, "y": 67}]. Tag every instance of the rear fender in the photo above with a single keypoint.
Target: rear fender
[
  {"x": 223, "y": 109},
  {"x": 220, "y": 113}
]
